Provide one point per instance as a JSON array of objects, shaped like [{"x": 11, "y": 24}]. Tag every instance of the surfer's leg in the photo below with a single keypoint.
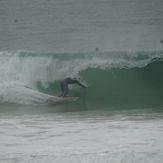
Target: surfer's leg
[
  {"x": 65, "y": 89},
  {"x": 62, "y": 89}
]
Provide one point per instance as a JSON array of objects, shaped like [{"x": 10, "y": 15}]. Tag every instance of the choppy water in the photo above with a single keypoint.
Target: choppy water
[
  {"x": 118, "y": 118},
  {"x": 44, "y": 134}
]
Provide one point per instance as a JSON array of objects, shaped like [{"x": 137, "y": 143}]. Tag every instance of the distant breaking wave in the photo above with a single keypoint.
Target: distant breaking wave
[{"x": 113, "y": 77}]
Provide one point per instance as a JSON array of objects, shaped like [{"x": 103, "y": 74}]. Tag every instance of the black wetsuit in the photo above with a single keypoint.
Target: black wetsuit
[{"x": 64, "y": 85}]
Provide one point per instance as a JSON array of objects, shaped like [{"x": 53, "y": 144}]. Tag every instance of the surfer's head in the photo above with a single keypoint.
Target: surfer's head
[{"x": 76, "y": 78}]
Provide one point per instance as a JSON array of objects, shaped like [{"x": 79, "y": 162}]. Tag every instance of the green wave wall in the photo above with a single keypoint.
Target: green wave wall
[{"x": 120, "y": 86}]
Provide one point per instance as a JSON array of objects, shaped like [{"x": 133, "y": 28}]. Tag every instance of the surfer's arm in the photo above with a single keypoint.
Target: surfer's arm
[{"x": 81, "y": 84}]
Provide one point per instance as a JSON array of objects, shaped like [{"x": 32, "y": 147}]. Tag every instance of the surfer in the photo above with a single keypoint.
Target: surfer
[{"x": 64, "y": 85}]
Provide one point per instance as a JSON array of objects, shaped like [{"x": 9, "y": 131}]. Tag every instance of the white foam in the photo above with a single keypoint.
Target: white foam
[
  {"x": 81, "y": 138},
  {"x": 17, "y": 93}
]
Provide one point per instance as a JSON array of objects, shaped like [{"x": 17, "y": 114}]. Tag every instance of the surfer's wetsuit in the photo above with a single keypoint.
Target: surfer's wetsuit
[{"x": 64, "y": 85}]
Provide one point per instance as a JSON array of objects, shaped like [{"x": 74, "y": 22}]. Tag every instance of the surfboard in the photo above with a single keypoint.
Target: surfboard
[
  {"x": 55, "y": 99},
  {"x": 70, "y": 98}
]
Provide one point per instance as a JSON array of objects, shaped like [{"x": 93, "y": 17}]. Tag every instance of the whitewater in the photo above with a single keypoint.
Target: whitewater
[{"x": 113, "y": 47}]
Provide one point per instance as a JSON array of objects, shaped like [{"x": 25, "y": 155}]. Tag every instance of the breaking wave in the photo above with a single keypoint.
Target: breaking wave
[{"x": 113, "y": 77}]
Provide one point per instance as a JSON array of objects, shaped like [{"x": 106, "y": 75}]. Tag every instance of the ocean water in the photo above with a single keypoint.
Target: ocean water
[{"x": 114, "y": 48}]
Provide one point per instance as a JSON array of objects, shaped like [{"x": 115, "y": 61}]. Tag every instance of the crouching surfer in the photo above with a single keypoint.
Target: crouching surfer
[{"x": 64, "y": 85}]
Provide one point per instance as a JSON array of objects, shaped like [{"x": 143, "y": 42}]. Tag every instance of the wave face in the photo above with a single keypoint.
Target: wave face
[{"x": 116, "y": 77}]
